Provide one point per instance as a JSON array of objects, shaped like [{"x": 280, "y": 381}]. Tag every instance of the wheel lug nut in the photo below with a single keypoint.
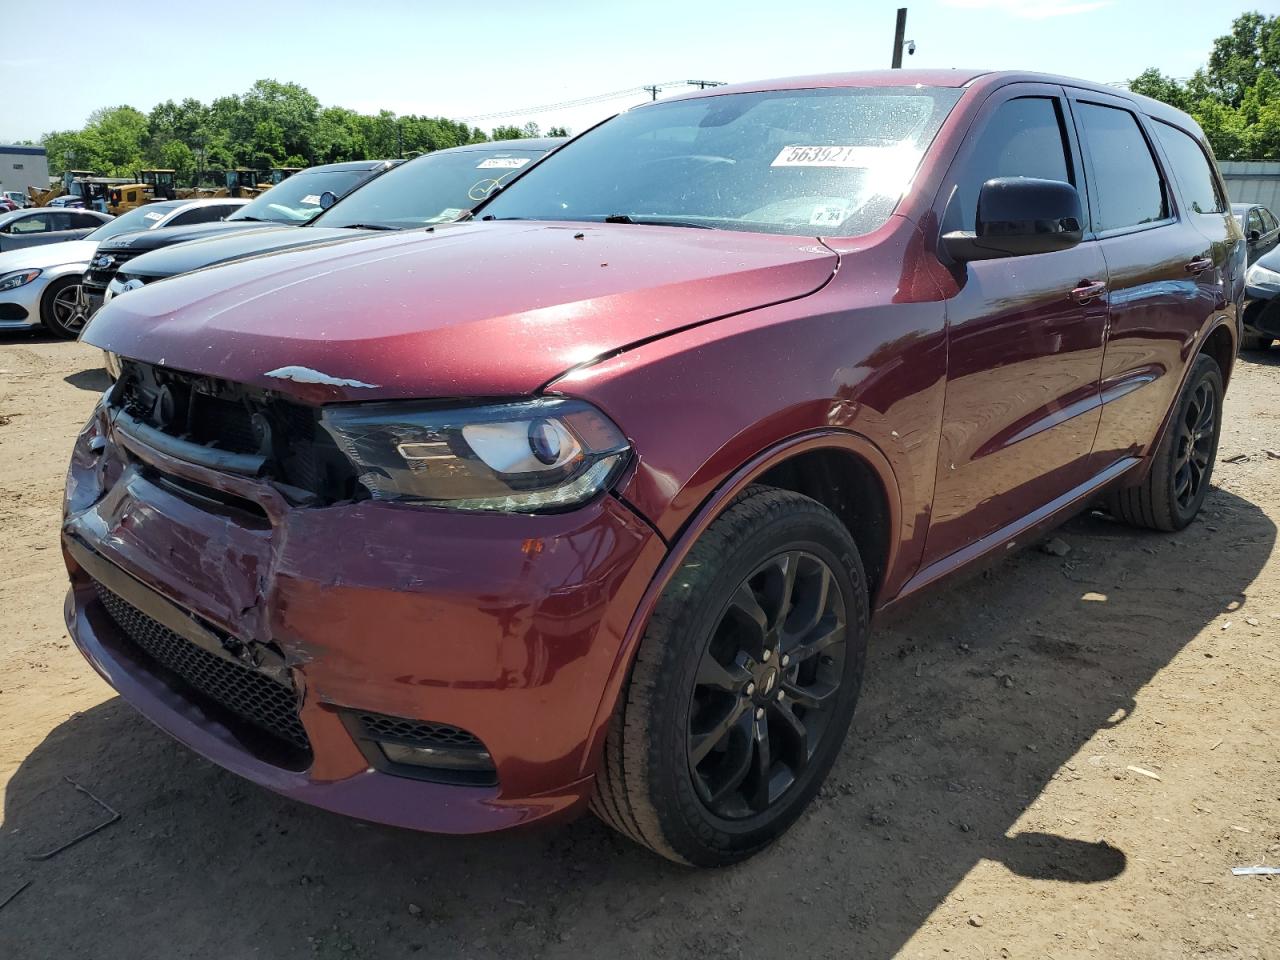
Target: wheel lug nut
[
  {"x": 759, "y": 713},
  {"x": 751, "y": 688},
  {"x": 767, "y": 655}
]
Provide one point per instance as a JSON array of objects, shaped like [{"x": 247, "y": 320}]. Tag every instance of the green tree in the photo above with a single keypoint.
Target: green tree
[
  {"x": 1236, "y": 97},
  {"x": 272, "y": 123}
]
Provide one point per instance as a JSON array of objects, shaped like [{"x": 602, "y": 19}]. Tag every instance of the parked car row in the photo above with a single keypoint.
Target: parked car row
[
  {"x": 512, "y": 484},
  {"x": 65, "y": 283}
]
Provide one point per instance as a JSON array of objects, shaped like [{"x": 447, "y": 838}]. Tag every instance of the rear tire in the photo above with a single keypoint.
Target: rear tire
[
  {"x": 744, "y": 685},
  {"x": 63, "y": 310},
  {"x": 1178, "y": 481}
]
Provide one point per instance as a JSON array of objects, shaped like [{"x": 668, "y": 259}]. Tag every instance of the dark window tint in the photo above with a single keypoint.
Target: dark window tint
[
  {"x": 205, "y": 214},
  {"x": 1191, "y": 167},
  {"x": 1125, "y": 179},
  {"x": 81, "y": 221},
  {"x": 1022, "y": 139}
]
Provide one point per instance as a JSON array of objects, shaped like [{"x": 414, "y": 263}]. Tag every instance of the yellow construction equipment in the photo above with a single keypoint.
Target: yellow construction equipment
[
  {"x": 161, "y": 183},
  {"x": 243, "y": 182}
]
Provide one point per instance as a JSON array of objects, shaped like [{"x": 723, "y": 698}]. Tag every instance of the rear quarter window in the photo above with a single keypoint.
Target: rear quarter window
[{"x": 1190, "y": 165}]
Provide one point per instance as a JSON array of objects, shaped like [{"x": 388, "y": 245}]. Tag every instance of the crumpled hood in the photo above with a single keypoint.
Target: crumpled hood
[
  {"x": 470, "y": 310},
  {"x": 212, "y": 251},
  {"x": 158, "y": 237},
  {"x": 48, "y": 255}
]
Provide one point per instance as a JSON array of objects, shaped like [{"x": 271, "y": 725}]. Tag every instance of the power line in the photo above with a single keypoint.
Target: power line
[{"x": 594, "y": 98}]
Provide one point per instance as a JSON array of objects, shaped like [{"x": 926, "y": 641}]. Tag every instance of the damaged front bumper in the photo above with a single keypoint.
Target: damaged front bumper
[{"x": 283, "y": 641}]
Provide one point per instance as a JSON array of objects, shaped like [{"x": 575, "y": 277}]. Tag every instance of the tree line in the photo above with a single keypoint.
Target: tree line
[
  {"x": 1236, "y": 97},
  {"x": 273, "y": 124}
]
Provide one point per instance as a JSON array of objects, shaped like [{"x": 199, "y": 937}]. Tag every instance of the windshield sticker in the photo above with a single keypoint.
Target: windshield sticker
[
  {"x": 311, "y": 199},
  {"x": 829, "y": 215},
  {"x": 448, "y": 213},
  {"x": 505, "y": 163},
  {"x": 797, "y": 156},
  {"x": 153, "y": 216}
]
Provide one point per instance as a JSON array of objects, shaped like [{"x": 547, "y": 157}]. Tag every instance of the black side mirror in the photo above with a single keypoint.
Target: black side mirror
[
  {"x": 1254, "y": 236},
  {"x": 1018, "y": 216},
  {"x": 328, "y": 199}
]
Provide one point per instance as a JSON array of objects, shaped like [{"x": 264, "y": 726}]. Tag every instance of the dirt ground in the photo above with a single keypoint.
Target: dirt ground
[{"x": 986, "y": 804}]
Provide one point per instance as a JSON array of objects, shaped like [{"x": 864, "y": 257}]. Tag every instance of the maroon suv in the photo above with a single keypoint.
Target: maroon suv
[{"x": 592, "y": 499}]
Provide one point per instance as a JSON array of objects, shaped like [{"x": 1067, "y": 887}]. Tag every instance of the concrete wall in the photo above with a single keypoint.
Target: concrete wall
[
  {"x": 1253, "y": 181},
  {"x": 22, "y": 167}
]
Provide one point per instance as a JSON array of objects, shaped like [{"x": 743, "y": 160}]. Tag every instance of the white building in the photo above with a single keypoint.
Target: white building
[{"x": 22, "y": 167}]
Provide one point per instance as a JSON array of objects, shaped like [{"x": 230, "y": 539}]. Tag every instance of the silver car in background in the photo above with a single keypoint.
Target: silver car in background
[
  {"x": 41, "y": 284},
  {"x": 37, "y": 226}
]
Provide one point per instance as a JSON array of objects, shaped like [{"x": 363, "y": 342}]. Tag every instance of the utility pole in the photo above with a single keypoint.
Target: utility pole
[
  {"x": 899, "y": 38},
  {"x": 655, "y": 90},
  {"x": 703, "y": 84}
]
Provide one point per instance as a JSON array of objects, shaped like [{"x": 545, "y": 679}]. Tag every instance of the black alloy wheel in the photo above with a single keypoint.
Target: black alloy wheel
[
  {"x": 744, "y": 685},
  {"x": 774, "y": 662},
  {"x": 1196, "y": 442}
]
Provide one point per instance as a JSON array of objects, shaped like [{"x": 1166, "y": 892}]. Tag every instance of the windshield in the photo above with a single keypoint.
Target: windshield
[
  {"x": 297, "y": 199},
  {"x": 139, "y": 218},
  {"x": 825, "y": 161},
  {"x": 436, "y": 188}
]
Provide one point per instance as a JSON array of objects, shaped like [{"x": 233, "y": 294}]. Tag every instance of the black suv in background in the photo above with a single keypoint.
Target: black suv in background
[
  {"x": 293, "y": 202},
  {"x": 436, "y": 188}
]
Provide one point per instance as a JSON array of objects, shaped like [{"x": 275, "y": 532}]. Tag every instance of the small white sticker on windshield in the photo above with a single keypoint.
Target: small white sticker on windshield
[
  {"x": 505, "y": 163},
  {"x": 829, "y": 215},
  {"x": 153, "y": 216},
  {"x": 312, "y": 199},
  {"x": 797, "y": 156},
  {"x": 448, "y": 213}
]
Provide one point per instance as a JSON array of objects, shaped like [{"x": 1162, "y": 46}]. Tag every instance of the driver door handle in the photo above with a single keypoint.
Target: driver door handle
[
  {"x": 1200, "y": 265},
  {"x": 1088, "y": 290}
]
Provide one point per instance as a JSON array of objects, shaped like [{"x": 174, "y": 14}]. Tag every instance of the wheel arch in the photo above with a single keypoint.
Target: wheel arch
[
  {"x": 807, "y": 464},
  {"x": 1220, "y": 343}
]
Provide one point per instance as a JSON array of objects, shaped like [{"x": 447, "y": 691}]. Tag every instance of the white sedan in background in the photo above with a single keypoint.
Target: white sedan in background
[{"x": 41, "y": 284}]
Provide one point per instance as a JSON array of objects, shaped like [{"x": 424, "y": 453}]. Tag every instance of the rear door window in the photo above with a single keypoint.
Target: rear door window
[
  {"x": 36, "y": 223},
  {"x": 1191, "y": 167},
  {"x": 1126, "y": 180},
  {"x": 1268, "y": 221},
  {"x": 1023, "y": 138}
]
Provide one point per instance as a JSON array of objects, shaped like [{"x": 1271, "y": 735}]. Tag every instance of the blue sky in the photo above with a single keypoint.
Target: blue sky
[{"x": 473, "y": 59}]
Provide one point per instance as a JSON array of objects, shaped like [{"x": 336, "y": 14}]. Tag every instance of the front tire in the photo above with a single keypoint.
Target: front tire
[
  {"x": 744, "y": 685},
  {"x": 1174, "y": 489},
  {"x": 63, "y": 309}
]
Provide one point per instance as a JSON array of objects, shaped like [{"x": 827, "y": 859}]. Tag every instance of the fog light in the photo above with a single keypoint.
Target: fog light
[
  {"x": 421, "y": 749},
  {"x": 440, "y": 758}
]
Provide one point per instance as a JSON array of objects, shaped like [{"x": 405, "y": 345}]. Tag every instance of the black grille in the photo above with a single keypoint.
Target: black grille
[
  {"x": 239, "y": 419},
  {"x": 226, "y": 423},
  {"x": 379, "y": 726},
  {"x": 102, "y": 277},
  {"x": 253, "y": 696}
]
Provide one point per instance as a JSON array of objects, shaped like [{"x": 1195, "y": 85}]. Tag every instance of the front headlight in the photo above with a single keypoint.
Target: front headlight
[
  {"x": 19, "y": 278},
  {"x": 532, "y": 456},
  {"x": 1260, "y": 276}
]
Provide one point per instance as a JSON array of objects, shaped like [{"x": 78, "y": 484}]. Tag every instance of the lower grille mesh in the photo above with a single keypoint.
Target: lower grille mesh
[
  {"x": 255, "y": 697},
  {"x": 379, "y": 726}
]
